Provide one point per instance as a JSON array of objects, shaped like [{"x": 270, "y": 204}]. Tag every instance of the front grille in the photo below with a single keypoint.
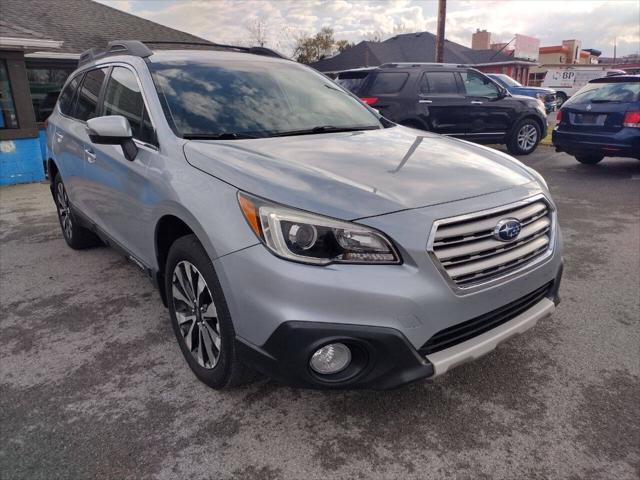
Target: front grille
[
  {"x": 469, "y": 254},
  {"x": 464, "y": 331}
]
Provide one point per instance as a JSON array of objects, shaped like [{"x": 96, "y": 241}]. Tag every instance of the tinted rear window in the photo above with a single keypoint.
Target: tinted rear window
[
  {"x": 352, "y": 81},
  {"x": 439, "y": 82},
  {"x": 607, "y": 92},
  {"x": 67, "y": 95},
  {"x": 388, "y": 82}
]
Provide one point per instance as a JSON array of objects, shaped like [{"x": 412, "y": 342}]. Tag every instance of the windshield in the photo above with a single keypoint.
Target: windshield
[
  {"x": 506, "y": 80},
  {"x": 607, "y": 92},
  {"x": 241, "y": 99}
]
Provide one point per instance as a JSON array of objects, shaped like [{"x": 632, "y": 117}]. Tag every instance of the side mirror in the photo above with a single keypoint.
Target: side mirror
[
  {"x": 113, "y": 130},
  {"x": 502, "y": 92}
]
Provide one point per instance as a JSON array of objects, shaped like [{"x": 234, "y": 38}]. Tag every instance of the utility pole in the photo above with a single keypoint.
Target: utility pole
[{"x": 442, "y": 14}]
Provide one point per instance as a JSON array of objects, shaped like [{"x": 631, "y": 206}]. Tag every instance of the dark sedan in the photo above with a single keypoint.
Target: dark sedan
[{"x": 601, "y": 120}]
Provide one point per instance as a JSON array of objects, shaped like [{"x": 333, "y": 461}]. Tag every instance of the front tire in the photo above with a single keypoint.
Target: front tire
[
  {"x": 76, "y": 236},
  {"x": 200, "y": 317},
  {"x": 589, "y": 159},
  {"x": 525, "y": 137}
]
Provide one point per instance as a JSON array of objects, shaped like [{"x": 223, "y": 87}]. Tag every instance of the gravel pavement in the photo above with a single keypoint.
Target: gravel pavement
[{"x": 93, "y": 385}]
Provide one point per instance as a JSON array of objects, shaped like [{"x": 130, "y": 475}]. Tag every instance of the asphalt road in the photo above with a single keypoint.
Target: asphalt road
[{"x": 93, "y": 384}]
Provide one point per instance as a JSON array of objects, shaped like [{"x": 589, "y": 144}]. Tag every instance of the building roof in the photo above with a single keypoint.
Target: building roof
[
  {"x": 83, "y": 24},
  {"x": 14, "y": 37},
  {"x": 408, "y": 47}
]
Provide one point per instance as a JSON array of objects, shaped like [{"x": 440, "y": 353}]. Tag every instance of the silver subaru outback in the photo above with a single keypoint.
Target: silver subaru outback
[{"x": 292, "y": 230}]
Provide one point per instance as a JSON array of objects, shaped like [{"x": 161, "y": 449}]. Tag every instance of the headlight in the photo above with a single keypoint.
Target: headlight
[{"x": 309, "y": 238}]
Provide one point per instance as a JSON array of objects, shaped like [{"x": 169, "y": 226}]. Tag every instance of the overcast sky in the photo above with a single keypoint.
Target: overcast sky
[{"x": 596, "y": 23}]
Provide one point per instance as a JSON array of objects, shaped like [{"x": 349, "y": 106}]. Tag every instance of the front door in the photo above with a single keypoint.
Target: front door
[
  {"x": 489, "y": 113},
  {"x": 118, "y": 188}
]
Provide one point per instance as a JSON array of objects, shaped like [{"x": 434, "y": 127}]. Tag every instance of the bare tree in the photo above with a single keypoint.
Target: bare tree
[{"x": 258, "y": 30}]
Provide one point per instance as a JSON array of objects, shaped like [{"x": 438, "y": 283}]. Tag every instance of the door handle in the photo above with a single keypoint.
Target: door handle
[
  {"x": 90, "y": 155},
  {"x": 425, "y": 101},
  {"x": 476, "y": 102},
  {"x": 59, "y": 137}
]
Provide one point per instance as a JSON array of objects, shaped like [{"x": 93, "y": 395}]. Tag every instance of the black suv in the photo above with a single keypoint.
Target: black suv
[{"x": 452, "y": 100}]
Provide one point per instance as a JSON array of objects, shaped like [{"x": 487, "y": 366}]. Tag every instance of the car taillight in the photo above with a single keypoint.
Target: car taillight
[
  {"x": 631, "y": 119},
  {"x": 369, "y": 100},
  {"x": 558, "y": 116}
]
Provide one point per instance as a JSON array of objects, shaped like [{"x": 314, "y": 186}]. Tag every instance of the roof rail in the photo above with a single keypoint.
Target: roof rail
[
  {"x": 139, "y": 49},
  {"x": 267, "y": 52},
  {"x": 115, "y": 47},
  {"x": 419, "y": 64}
]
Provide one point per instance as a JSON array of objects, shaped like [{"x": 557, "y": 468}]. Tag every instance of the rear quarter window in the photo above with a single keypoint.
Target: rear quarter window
[
  {"x": 352, "y": 81},
  {"x": 388, "y": 82}
]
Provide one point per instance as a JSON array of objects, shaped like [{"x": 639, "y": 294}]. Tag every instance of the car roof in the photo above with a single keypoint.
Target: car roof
[
  {"x": 616, "y": 79},
  {"x": 211, "y": 55}
]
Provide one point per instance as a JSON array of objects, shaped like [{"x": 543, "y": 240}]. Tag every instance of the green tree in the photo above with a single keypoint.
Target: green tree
[{"x": 311, "y": 48}]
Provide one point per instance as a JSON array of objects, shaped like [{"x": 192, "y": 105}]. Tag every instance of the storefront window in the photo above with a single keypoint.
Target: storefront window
[
  {"x": 45, "y": 84},
  {"x": 8, "y": 118}
]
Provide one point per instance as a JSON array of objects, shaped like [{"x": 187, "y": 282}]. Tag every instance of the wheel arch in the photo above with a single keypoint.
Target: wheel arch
[{"x": 168, "y": 229}]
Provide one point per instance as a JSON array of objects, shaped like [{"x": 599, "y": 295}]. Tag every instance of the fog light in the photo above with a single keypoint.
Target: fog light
[{"x": 332, "y": 358}]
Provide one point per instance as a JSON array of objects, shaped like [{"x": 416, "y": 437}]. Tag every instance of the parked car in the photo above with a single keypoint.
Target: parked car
[
  {"x": 567, "y": 81},
  {"x": 455, "y": 100},
  {"x": 601, "y": 120},
  {"x": 292, "y": 229},
  {"x": 545, "y": 95}
]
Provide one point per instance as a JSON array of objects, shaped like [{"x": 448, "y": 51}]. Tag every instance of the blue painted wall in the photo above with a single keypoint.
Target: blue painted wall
[{"x": 21, "y": 161}]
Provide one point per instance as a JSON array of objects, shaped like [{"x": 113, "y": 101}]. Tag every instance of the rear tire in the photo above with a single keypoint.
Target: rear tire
[
  {"x": 76, "y": 236},
  {"x": 525, "y": 137},
  {"x": 200, "y": 317},
  {"x": 589, "y": 159}
]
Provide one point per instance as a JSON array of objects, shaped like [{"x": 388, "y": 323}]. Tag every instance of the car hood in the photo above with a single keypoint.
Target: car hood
[{"x": 358, "y": 174}]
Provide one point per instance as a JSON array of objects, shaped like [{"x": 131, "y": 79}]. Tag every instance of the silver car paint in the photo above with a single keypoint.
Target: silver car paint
[{"x": 420, "y": 177}]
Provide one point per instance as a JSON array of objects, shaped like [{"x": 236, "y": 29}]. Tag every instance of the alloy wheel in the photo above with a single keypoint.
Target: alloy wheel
[
  {"x": 196, "y": 314},
  {"x": 527, "y": 137},
  {"x": 63, "y": 210}
]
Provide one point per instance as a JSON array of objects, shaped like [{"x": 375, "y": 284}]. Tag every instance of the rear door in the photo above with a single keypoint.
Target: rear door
[
  {"x": 65, "y": 149},
  {"x": 489, "y": 116},
  {"x": 71, "y": 142},
  {"x": 85, "y": 108},
  {"x": 441, "y": 103},
  {"x": 118, "y": 189}
]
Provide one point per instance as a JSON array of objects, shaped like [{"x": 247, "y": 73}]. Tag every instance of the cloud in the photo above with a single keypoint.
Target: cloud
[{"x": 598, "y": 23}]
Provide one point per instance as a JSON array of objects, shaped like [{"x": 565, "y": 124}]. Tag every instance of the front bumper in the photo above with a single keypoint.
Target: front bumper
[
  {"x": 624, "y": 143},
  {"x": 383, "y": 358}
]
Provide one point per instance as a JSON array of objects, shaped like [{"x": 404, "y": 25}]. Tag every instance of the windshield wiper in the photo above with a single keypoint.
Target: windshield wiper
[
  {"x": 603, "y": 100},
  {"x": 217, "y": 136},
  {"x": 324, "y": 129}
]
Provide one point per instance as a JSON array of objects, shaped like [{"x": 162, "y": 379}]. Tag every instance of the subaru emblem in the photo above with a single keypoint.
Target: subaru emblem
[
  {"x": 507, "y": 229},
  {"x": 589, "y": 107}
]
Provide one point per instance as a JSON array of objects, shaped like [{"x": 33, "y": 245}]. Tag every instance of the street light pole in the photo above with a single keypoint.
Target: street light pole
[{"x": 442, "y": 14}]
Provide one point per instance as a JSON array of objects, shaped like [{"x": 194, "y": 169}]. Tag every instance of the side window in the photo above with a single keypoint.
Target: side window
[
  {"x": 476, "y": 85},
  {"x": 388, "y": 82},
  {"x": 439, "y": 83},
  {"x": 87, "y": 103},
  {"x": 123, "y": 97},
  {"x": 68, "y": 94}
]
